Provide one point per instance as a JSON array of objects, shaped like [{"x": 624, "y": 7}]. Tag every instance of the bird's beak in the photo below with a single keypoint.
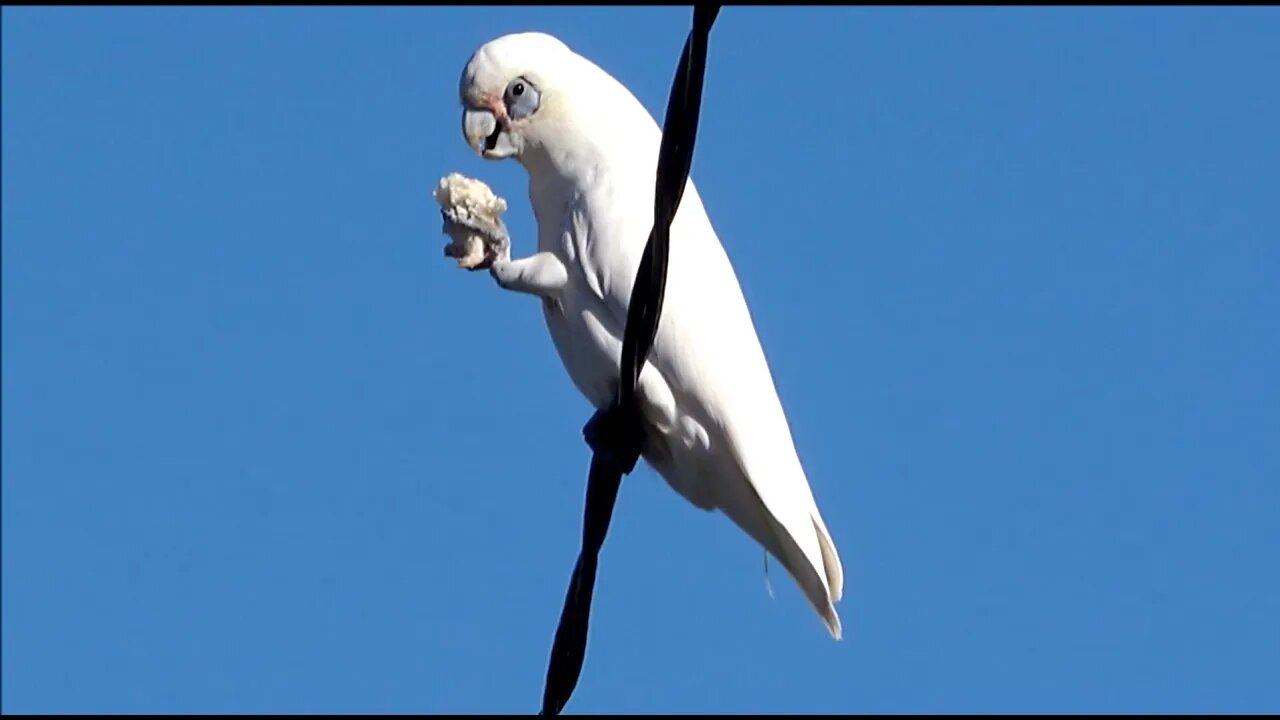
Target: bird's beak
[
  {"x": 487, "y": 135},
  {"x": 479, "y": 126}
]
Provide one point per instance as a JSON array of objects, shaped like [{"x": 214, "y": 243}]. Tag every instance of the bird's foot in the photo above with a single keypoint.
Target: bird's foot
[
  {"x": 616, "y": 435},
  {"x": 477, "y": 243}
]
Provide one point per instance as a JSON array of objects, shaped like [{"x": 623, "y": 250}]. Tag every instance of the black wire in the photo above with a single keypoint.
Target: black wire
[
  {"x": 675, "y": 158},
  {"x": 615, "y": 434}
]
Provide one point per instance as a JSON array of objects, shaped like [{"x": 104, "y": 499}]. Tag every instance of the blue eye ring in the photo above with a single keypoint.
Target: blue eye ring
[{"x": 521, "y": 98}]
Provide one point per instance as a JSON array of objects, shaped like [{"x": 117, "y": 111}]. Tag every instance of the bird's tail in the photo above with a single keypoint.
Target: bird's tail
[
  {"x": 822, "y": 583},
  {"x": 818, "y": 573}
]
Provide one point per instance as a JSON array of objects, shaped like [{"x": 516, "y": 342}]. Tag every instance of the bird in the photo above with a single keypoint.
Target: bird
[{"x": 714, "y": 426}]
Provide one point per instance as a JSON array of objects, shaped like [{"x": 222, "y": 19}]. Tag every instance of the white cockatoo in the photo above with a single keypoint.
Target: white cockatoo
[{"x": 714, "y": 426}]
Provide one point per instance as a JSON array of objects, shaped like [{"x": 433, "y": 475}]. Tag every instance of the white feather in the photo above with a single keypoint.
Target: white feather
[{"x": 716, "y": 430}]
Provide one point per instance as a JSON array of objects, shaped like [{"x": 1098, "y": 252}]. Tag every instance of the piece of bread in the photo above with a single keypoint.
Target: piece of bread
[{"x": 472, "y": 220}]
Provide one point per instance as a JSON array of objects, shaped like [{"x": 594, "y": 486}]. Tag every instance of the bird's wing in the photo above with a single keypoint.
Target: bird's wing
[{"x": 713, "y": 370}]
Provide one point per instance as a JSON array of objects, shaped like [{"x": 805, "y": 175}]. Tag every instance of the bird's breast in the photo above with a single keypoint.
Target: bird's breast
[
  {"x": 585, "y": 346},
  {"x": 587, "y": 336}
]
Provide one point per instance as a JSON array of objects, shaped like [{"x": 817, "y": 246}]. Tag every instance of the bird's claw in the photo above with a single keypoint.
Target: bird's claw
[
  {"x": 470, "y": 235},
  {"x": 615, "y": 435}
]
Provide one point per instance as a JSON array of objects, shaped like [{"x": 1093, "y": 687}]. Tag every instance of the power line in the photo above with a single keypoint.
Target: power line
[{"x": 615, "y": 434}]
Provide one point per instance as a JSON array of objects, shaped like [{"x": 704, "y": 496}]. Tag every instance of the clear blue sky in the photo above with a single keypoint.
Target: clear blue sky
[{"x": 266, "y": 449}]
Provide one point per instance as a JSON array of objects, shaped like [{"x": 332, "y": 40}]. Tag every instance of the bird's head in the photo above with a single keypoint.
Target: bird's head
[
  {"x": 512, "y": 91},
  {"x": 529, "y": 94}
]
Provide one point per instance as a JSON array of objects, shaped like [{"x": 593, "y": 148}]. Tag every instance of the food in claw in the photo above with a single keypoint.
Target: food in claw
[{"x": 472, "y": 220}]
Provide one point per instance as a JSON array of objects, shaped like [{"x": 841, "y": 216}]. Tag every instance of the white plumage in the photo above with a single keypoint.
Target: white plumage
[{"x": 715, "y": 428}]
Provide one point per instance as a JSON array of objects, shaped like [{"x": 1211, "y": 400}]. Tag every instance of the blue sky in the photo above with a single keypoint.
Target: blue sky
[{"x": 266, "y": 449}]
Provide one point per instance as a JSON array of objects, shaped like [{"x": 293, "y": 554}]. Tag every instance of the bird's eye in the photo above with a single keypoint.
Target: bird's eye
[{"x": 521, "y": 99}]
